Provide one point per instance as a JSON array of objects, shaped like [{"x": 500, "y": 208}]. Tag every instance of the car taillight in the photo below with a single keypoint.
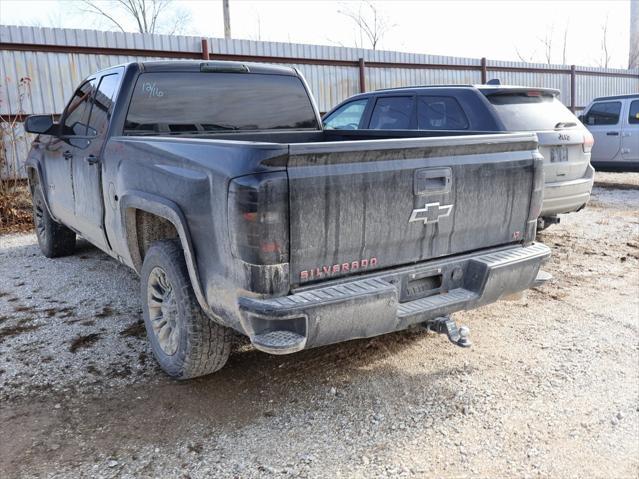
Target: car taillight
[
  {"x": 588, "y": 142},
  {"x": 258, "y": 218}
]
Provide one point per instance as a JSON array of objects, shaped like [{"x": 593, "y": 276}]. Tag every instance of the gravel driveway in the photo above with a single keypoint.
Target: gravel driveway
[{"x": 550, "y": 387}]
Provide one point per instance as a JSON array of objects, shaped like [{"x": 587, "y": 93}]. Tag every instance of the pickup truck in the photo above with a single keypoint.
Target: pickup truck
[{"x": 216, "y": 183}]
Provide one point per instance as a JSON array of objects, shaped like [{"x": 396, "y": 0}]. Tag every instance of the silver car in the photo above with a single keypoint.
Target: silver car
[{"x": 614, "y": 123}]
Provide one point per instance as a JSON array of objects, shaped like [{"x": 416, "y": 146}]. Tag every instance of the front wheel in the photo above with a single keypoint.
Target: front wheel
[
  {"x": 185, "y": 342},
  {"x": 54, "y": 238}
]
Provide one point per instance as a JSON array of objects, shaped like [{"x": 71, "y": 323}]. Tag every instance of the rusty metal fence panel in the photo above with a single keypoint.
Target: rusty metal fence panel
[{"x": 40, "y": 67}]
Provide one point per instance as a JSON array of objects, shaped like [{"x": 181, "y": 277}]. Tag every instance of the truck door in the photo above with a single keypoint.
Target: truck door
[
  {"x": 603, "y": 122},
  {"x": 630, "y": 133},
  {"x": 58, "y": 155},
  {"x": 87, "y": 166}
]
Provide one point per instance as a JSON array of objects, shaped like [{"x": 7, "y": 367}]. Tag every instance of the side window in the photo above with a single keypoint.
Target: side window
[
  {"x": 633, "y": 115},
  {"x": 77, "y": 111},
  {"x": 604, "y": 113},
  {"x": 347, "y": 117},
  {"x": 102, "y": 103},
  {"x": 440, "y": 113},
  {"x": 392, "y": 113}
]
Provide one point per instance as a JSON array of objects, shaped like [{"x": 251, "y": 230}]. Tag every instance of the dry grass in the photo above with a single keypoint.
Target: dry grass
[{"x": 15, "y": 208}]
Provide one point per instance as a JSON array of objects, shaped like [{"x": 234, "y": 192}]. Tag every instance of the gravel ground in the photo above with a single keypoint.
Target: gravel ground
[{"x": 550, "y": 387}]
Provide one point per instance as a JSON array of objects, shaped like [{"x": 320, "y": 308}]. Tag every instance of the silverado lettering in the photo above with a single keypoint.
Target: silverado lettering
[{"x": 324, "y": 271}]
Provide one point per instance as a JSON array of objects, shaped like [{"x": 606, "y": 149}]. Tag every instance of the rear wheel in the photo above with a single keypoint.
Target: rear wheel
[
  {"x": 185, "y": 342},
  {"x": 54, "y": 238}
]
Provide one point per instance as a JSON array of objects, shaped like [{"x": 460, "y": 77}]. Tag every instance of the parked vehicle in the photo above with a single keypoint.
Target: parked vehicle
[
  {"x": 216, "y": 183},
  {"x": 459, "y": 109},
  {"x": 614, "y": 123}
]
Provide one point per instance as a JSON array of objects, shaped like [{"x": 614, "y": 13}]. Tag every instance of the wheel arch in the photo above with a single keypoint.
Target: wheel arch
[{"x": 141, "y": 206}]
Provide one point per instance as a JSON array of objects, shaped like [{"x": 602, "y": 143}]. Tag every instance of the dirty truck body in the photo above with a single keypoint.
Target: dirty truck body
[{"x": 217, "y": 184}]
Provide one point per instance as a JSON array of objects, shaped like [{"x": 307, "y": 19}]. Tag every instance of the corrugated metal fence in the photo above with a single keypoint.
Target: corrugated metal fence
[{"x": 41, "y": 67}]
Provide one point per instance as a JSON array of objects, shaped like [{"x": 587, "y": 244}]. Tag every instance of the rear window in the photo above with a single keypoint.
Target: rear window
[
  {"x": 603, "y": 113},
  {"x": 193, "y": 102},
  {"x": 633, "y": 114},
  {"x": 530, "y": 111}
]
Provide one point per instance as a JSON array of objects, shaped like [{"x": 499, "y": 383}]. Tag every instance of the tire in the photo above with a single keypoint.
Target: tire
[
  {"x": 185, "y": 341},
  {"x": 55, "y": 239}
]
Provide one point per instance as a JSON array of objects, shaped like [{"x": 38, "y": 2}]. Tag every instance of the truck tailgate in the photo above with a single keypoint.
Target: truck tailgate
[{"x": 362, "y": 205}]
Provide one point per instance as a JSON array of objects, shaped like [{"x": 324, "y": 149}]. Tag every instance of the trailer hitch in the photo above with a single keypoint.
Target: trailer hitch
[{"x": 446, "y": 325}]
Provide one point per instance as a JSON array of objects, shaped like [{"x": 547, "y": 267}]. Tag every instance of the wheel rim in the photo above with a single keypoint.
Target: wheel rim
[
  {"x": 163, "y": 311},
  {"x": 38, "y": 215}
]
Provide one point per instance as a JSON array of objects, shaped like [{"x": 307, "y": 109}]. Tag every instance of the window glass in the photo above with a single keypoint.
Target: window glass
[
  {"x": 633, "y": 116},
  {"x": 530, "y": 110},
  {"x": 77, "y": 111},
  {"x": 102, "y": 102},
  {"x": 194, "y": 102},
  {"x": 440, "y": 113},
  {"x": 604, "y": 113},
  {"x": 392, "y": 113},
  {"x": 347, "y": 117}
]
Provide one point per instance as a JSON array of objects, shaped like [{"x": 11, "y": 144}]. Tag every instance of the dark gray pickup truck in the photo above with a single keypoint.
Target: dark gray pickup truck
[{"x": 217, "y": 184}]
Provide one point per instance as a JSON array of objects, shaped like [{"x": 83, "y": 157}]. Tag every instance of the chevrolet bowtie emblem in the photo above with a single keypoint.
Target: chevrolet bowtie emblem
[{"x": 430, "y": 213}]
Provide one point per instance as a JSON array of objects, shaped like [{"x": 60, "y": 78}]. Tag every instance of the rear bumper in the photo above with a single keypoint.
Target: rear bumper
[
  {"x": 383, "y": 302},
  {"x": 567, "y": 196}
]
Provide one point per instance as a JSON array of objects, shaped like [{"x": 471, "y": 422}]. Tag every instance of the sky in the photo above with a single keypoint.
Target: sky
[{"x": 495, "y": 29}]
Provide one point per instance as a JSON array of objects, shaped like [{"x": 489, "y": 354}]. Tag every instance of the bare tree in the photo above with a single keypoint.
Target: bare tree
[
  {"x": 564, "y": 49},
  {"x": 148, "y": 16},
  {"x": 605, "y": 56},
  {"x": 370, "y": 22},
  {"x": 525, "y": 58},
  {"x": 547, "y": 43}
]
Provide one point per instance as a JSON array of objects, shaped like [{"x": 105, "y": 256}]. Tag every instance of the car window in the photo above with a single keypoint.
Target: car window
[
  {"x": 531, "y": 110},
  {"x": 633, "y": 115},
  {"x": 603, "y": 113},
  {"x": 209, "y": 103},
  {"x": 346, "y": 117},
  {"x": 392, "y": 113},
  {"x": 77, "y": 111},
  {"x": 440, "y": 113},
  {"x": 102, "y": 103}
]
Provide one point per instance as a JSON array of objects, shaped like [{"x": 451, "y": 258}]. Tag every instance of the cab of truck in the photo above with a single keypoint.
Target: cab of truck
[{"x": 614, "y": 124}]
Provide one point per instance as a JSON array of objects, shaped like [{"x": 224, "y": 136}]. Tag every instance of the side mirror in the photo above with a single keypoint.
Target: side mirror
[
  {"x": 39, "y": 124},
  {"x": 581, "y": 118}
]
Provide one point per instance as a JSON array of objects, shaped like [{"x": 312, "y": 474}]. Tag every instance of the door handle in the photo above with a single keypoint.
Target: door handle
[
  {"x": 429, "y": 181},
  {"x": 612, "y": 133},
  {"x": 67, "y": 155},
  {"x": 626, "y": 134},
  {"x": 92, "y": 159}
]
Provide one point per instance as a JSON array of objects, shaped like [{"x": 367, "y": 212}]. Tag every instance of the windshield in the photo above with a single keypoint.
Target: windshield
[
  {"x": 206, "y": 103},
  {"x": 531, "y": 111}
]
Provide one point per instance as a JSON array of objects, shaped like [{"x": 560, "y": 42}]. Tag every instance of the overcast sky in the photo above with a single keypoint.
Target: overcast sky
[{"x": 496, "y": 29}]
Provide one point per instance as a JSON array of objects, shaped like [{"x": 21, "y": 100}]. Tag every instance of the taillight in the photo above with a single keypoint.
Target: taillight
[
  {"x": 258, "y": 218},
  {"x": 588, "y": 142}
]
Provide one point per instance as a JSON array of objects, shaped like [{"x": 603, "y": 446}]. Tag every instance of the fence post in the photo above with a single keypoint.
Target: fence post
[
  {"x": 484, "y": 71},
  {"x": 573, "y": 87},
  {"x": 205, "y": 49},
  {"x": 362, "y": 76}
]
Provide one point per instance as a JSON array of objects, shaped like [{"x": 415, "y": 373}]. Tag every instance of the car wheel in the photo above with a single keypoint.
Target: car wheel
[
  {"x": 185, "y": 341},
  {"x": 54, "y": 238}
]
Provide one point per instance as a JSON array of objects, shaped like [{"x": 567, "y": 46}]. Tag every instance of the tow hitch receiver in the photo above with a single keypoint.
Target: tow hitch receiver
[{"x": 446, "y": 325}]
